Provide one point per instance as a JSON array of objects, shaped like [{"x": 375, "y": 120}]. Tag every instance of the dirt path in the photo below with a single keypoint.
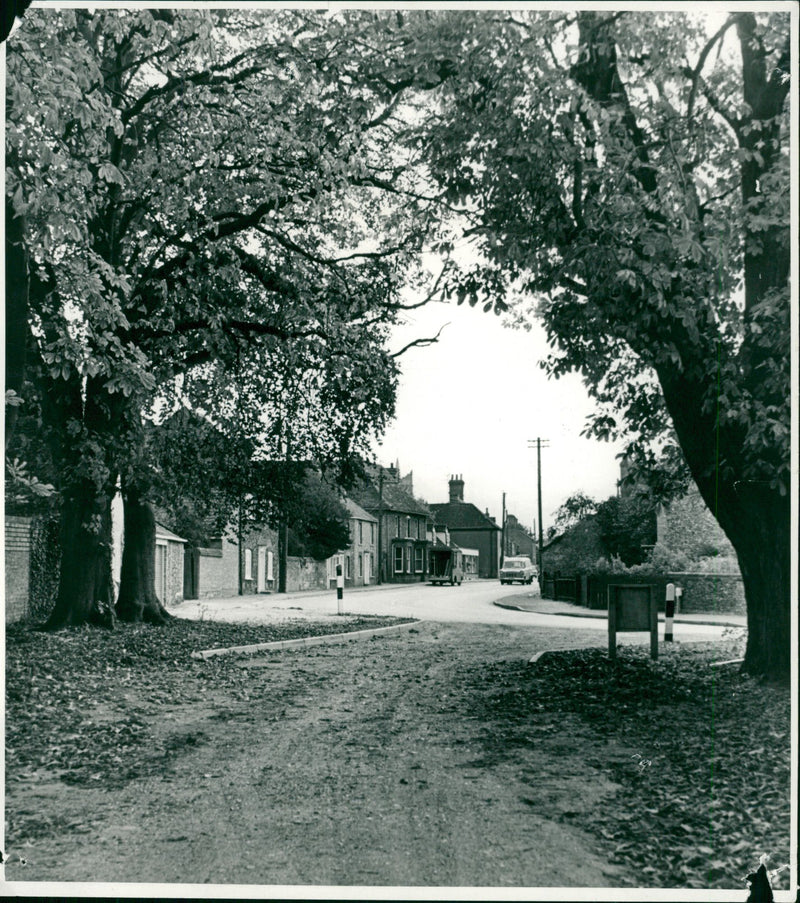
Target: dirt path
[{"x": 363, "y": 764}]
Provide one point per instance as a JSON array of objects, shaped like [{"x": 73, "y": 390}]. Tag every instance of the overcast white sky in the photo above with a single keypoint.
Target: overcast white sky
[{"x": 469, "y": 404}]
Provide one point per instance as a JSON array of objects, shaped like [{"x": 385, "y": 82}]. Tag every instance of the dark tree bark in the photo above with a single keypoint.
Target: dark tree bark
[
  {"x": 85, "y": 590},
  {"x": 77, "y": 418},
  {"x": 138, "y": 600}
]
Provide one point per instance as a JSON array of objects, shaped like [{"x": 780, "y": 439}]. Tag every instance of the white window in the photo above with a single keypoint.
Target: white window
[
  {"x": 418, "y": 559},
  {"x": 408, "y": 559},
  {"x": 398, "y": 559},
  {"x": 248, "y": 564},
  {"x": 348, "y": 567}
]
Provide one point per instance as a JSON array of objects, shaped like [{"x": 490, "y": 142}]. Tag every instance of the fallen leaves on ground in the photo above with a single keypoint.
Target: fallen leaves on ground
[
  {"x": 705, "y": 764},
  {"x": 79, "y": 701}
]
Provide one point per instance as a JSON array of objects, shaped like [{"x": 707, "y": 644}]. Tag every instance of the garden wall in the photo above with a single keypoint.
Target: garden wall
[
  {"x": 305, "y": 574},
  {"x": 701, "y": 592}
]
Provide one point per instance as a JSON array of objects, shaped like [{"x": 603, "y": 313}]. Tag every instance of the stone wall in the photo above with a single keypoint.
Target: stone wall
[
  {"x": 711, "y": 592},
  {"x": 702, "y": 593},
  {"x": 305, "y": 574},
  {"x": 175, "y": 552}
]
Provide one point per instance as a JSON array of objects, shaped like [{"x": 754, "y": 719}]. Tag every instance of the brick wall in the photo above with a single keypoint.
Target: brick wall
[
  {"x": 267, "y": 538},
  {"x": 17, "y": 566}
]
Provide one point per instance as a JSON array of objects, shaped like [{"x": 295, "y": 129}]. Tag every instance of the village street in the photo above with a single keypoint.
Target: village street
[
  {"x": 472, "y": 602},
  {"x": 380, "y": 762}
]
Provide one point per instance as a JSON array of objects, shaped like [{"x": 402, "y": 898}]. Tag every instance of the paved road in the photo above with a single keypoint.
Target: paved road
[{"x": 472, "y": 602}]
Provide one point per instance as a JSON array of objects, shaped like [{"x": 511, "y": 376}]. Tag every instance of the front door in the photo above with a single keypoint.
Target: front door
[
  {"x": 261, "y": 570},
  {"x": 367, "y": 568}
]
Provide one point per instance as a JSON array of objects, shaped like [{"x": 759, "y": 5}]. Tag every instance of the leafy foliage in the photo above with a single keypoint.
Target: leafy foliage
[
  {"x": 627, "y": 527},
  {"x": 574, "y": 509},
  {"x": 204, "y": 190},
  {"x": 627, "y": 176}
]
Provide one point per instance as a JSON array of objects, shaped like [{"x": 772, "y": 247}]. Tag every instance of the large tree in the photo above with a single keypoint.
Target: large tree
[
  {"x": 630, "y": 170},
  {"x": 185, "y": 186}
]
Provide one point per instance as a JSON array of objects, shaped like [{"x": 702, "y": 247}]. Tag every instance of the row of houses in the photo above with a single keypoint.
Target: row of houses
[{"x": 392, "y": 533}]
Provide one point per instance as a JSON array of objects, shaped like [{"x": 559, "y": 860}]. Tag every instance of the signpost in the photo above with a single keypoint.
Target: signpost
[{"x": 632, "y": 607}]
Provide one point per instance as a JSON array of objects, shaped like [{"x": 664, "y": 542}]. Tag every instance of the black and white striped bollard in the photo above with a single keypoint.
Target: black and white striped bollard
[
  {"x": 339, "y": 588},
  {"x": 669, "y": 612}
]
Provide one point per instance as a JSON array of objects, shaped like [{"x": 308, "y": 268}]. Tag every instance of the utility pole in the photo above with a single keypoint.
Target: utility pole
[
  {"x": 503, "y": 544},
  {"x": 539, "y": 443},
  {"x": 380, "y": 525}
]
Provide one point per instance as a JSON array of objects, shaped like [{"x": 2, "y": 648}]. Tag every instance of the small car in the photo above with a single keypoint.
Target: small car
[{"x": 519, "y": 568}]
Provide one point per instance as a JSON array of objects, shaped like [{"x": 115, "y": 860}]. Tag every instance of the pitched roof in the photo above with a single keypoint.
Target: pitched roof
[
  {"x": 395, "y": 497},
  {"x": 164, "y": 533},
  {"x": 462, "y": 516},
  {"x": 357, "y": 511}
]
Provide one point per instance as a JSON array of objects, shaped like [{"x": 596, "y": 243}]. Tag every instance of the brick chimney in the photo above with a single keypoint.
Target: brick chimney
[{"x": 456, "y": 488}]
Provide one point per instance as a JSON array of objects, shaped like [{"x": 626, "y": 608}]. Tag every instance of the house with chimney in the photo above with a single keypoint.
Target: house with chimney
[
  {"x": 469, "y": 527},
  {"x": 404, "y": 524}
]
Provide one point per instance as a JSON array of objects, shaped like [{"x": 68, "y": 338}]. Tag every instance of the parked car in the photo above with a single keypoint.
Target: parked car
[{"x": 521, "y": 569}]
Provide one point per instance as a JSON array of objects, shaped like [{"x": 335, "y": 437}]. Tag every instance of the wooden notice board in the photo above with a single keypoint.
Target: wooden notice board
[{"x": 632, "y": 607}]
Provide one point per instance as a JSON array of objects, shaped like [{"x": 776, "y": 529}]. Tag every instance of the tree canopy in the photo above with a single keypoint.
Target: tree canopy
[{"x": 627, "y": 175}]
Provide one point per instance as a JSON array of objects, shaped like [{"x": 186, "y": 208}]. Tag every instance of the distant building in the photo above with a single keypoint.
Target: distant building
[
  {"x": 469, "y": 528},
  {"x": 518, "y": 541},
  {"x": 402, "y": 522},
  {"x": 359, "y": 562}
]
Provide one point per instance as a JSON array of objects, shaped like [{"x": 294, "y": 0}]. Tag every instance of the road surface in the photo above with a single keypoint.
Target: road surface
[{"x": 472, "y": 602}]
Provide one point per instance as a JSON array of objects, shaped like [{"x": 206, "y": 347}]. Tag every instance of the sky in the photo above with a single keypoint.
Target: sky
[{"x": 471, "y": 403}]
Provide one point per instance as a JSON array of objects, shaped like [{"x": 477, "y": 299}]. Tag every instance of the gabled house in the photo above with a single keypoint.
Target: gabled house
[
  {"x": 403, "y": 524},
  {"x": 470, "y": 528},
  {"x": 518, "y": 541},
  {"x": 359, "y": 561}
]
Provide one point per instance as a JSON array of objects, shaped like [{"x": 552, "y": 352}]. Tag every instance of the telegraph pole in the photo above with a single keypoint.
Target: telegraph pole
[
  {"x": 503, "y": 543},
  {"x": 539, "y": 444}
]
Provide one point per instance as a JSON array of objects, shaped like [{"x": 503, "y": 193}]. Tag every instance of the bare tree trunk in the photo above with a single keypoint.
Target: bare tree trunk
[
  {"x": 138, "y": 600},
  {"x": 85, "y": 589},
  {"x": 763, "y": 546}
]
